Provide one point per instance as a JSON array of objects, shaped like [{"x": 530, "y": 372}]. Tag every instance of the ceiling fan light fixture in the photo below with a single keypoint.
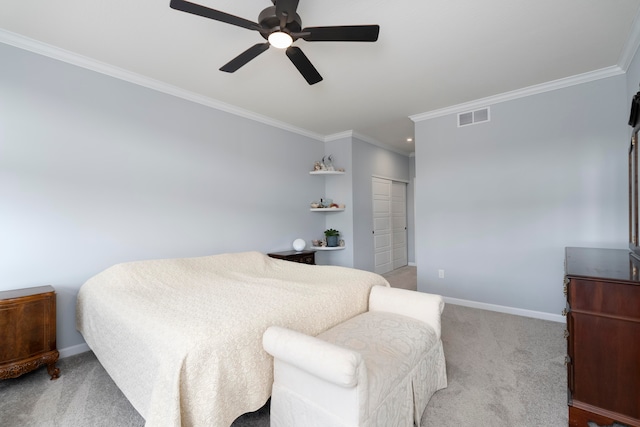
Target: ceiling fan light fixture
[
  {"x": 281, "y": 25},
  {"x": 280, "y": 40}
]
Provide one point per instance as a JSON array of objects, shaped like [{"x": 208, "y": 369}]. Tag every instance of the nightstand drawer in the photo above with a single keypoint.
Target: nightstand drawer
[{"x": 303, "y": 257}]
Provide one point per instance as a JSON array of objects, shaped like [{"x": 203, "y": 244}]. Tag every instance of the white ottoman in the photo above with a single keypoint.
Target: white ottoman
[{"x": 379, "y": 368}]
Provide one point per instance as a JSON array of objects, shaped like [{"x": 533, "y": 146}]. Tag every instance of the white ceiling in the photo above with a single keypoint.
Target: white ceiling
[{"x": 430, "y": 54}]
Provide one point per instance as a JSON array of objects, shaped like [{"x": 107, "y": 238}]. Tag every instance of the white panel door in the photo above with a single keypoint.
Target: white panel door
[
  {"x": 399, "y": 223},
  {"x": 382, "y": 230}
]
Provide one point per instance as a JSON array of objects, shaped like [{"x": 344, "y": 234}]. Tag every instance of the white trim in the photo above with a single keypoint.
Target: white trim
[
  {"x": 375, "y": 142},
  {"x": 352, "y": 134},
  {"x": 631, "y": 45},
  {"x": 73, "y": 350},
  {"x": 521, "y": 93},
  {"x": 72, "y": 58},
  {"x": 404, "y": 181},
  {"x": 509, "y": 310},
  {"x": 339, "y": 135},
  {"x": 412, "y": 264},
  {"x": 19, "y": 41}
]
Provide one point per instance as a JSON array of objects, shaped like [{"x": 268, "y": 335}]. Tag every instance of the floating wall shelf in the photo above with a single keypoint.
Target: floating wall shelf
[{"x": 326, "y": 173}]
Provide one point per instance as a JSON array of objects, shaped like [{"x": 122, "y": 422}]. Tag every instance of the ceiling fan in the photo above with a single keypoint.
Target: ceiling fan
[{"x": 281, "y": 26}]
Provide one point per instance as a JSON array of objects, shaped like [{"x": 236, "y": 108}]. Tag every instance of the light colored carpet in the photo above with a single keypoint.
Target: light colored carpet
[
  {"x": 404, "y": 277},
  {"x": 503, "y": 370}
]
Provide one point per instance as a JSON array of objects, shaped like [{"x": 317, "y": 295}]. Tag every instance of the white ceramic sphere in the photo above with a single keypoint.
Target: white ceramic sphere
[{"x": 299, "y": 245}]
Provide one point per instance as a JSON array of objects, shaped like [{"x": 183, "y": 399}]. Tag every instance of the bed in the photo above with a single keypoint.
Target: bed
[{"x": 182, "y": 338}]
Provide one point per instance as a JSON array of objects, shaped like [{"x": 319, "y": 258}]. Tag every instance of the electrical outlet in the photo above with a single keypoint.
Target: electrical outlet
[{"x": 441, "y": 274}]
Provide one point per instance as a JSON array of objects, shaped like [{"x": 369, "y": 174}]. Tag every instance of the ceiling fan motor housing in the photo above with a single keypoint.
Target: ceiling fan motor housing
[{"x": 269, "y": 21}]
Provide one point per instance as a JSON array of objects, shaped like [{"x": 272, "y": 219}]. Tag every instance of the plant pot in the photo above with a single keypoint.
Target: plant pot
[{"x": 332, "y": 241}]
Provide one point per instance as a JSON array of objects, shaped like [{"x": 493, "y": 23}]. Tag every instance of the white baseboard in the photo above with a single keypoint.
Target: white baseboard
[
  {"x": 509, "y": 310},
  {"x": 413, "y": 264},
  {"x": 73, "y": 350}
]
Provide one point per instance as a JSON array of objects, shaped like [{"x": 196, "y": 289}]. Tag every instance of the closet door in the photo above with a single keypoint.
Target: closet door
[
  {"x": 399, "y": 223},
  {"x": 389, "y": 224},
  {"x": 382, "y": 233}
]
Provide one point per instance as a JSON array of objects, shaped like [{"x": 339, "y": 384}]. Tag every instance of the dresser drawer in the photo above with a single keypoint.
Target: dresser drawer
[
  {"x": 604, "y": 348},
  {"x": 606, "y": 298}
]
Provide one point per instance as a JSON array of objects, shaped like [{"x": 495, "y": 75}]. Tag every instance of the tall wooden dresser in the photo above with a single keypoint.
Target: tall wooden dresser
[
  {"x": 28, "y": 331},
  {"x": 602, "y": 287}
]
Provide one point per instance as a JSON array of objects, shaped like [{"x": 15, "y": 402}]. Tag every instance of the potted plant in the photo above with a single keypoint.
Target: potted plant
[{"x": 332, "y": 237}]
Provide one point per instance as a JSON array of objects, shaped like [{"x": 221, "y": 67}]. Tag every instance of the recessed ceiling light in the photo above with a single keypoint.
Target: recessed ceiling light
[{"x": 409, "y": 139}]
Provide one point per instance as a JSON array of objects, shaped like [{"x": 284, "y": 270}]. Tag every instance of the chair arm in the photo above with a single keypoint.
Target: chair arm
[
  {"x": 325, "y": 360},
  {"x": 419, "y": 305}
]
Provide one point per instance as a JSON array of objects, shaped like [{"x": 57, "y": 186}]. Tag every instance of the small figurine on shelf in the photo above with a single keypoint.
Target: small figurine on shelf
[
  {"x": 317, "y": 166},
  {"x": 329, "y": 163}
]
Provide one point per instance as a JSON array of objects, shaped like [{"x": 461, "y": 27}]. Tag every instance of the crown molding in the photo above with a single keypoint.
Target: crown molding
[
  {"x": 353, "y": 134},
  {"x": 339, "y": 135},
  {"x": 631, "y": 45},
  {"x": 35, "y": 46},
  {"x": 72, "y": 58},
  {"x": 522, "y": 93}
]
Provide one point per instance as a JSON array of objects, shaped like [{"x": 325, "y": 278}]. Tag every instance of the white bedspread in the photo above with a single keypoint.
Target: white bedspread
[{"x": 182, "y": 338}]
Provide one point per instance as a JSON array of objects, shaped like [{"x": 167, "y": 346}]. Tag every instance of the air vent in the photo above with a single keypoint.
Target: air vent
[{"x": 473, "y": 117}]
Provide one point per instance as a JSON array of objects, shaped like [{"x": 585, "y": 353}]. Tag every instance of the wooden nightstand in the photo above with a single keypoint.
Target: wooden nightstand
[
  {"x": 304, "y": 257},
  {"x": 28, "y": 331}
]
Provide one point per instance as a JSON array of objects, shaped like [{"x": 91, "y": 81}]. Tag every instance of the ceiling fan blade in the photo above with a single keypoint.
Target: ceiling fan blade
[
  {"x": 216, "y": 15},
  {"x": 246, "y": 56},
  {"x": 303, "y": 65},
  {"x": 345, "y": 33},
  {"x": 286, "y": 7}
]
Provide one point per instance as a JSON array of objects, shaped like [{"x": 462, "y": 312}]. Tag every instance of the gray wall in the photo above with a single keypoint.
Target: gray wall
[
  {"x": 369, "y": 160},
  {"x": 339, "y": 188},
  {"x": 498, "y": 202},
  {"x": 96, "y": 171},
  {"x": 411, "y": 217}
]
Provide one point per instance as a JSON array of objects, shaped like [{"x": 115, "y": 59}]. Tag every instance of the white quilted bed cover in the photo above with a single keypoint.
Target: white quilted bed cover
[{"x": 182, "y": 338}]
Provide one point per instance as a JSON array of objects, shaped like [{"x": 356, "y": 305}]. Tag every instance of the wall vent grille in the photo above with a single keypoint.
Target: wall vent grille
[{"x": 473, "y": 117}]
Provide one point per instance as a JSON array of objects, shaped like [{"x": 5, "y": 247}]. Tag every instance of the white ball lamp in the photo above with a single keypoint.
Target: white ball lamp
[{"x": 298, "y": 245}]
